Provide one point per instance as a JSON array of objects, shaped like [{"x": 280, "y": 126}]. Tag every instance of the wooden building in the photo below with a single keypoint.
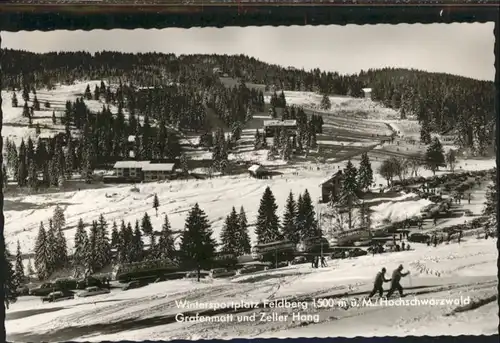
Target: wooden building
[
  {"x": 368, "y": 93},
  {"x": 272, "y": 126},
  {"x": 331, "y": 186},
  {"x": 257, "y": 171},
  {"x": 130, "y": 170},
  {"x": 158, "y": 171}
]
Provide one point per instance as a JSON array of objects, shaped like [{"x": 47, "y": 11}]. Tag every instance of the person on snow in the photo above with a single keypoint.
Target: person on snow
[
  {"x": 379, "y": 281},
  {"x": 323, "y": 262},
  {"x": 395, "y": 281}
]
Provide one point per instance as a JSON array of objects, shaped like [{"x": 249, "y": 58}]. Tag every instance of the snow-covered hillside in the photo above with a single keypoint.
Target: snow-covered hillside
[
  {"x": 15, "y": 126},
  {"x": 456, "y": 274}
]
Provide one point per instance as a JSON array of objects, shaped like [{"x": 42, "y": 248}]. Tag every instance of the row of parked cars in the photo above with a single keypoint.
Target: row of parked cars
[{"x": 68, "y": 294}]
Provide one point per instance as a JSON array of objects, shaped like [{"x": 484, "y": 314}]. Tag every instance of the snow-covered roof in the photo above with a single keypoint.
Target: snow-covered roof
[
  {"x": 339, "y": 173},
  {"x": 159, "y": 167},
  {"x": 254, "y": 168},
  {"x": 130, "y": 164},
  {"x": 292, "y": 122},
  {"x": 131, "y": 138},
  {"x": 366, "y": 90}
]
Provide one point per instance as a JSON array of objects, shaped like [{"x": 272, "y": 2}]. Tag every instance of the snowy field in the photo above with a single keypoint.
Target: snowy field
[
  {"x": 456, "y": 274},
  {"x": 216, "y": 196}
]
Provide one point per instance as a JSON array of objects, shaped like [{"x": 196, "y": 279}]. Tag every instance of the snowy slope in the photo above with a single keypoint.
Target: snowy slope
[{"x": 446, "y": 272}]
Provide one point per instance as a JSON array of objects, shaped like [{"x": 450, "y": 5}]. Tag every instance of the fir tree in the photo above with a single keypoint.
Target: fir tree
[
  {"x": 325, "y": 103},
  {"x": 5, "y": 177},
  {"x": 425, "y": 132},
  {"x": 290, "y": 230},
  {"x": 184, "y": 164},
  {"x": 88, "y": 94},
  {"x": 491, "y": 203},
  {"x": 36, "y": 104},
  {"x": 156, "y": 204},
  {"x": 349, "y": 190},
  {"x": 103, "y": 247},
  {"x": 26, "y": 111},
  {"x": 230, "y": 234},
  {"x": 81, "y": 253},
  {"x": 243, "y": 237},
  {"x": 22, "y": 173},
  {"x": 147, "y": 228},
  {"x": 267, "y": 226},
  {"x": 92, "y": 262},
  {"x": 19, "y": 267},
  {"x": 115, "y": 236},
  {"x": 365, "y": 218},
  {"x": 306, "y": 217},
  {"x": 258, "y": 140},
  {"x": 137, "y": 244},
  {"x": 42, "y": 254},
  {"x": 26, "y": 93},
  {"x": 365, "y": 173},
  {"x": 197, "y": 247},
  {"x": 9, "y": 279},
  {"x": 58, "y": 218},
  {"x": 166, "y": 248},
  {"x": 451, "y": 159},
  {"x": 29, "y": 269},
  {"x": 434, "y": 156},
  {"x": 14, "y": 100},
  {"x": 52, "y": 244}
]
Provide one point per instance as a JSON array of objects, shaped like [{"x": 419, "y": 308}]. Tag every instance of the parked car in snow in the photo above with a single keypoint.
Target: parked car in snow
[
  {"x": 43, "y": 290},
  {"x": 22, "y": 290},
  {"x": 58, "y": 296},
  {"x": 253, "y": 268},
  {"x": 194, "y": 274},
  {"x": 134, "y": 285},
  {"x": 357, "y": 252},
  {"x": 91, "y": 291},
  {"x": 299, "y": 260},
  {"x": 221, "y": 272},
  {"x": 418, "y": 237}
]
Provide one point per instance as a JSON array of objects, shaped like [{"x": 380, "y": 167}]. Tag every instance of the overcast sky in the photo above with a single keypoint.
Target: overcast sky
[{"x": 461, "y": 49}]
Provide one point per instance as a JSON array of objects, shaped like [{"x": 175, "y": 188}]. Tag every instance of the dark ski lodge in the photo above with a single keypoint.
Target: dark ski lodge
[
  {"x": 331, "y": 186},
  {"x": 258, "y": 171}
]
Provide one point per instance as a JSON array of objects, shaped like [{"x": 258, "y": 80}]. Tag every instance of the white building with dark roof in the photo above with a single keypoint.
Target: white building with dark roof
[
  {"x": 368, "y": 93},
  {"x": 158, "y": 171},
  {"x": 130, "y": 169}
]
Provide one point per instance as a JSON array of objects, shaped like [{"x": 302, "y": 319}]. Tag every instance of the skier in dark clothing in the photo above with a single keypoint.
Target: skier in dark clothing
[
  {"x": 323, "y": 262},
  {"x": 395, "y": 281},
  {"x": 403, "y": 246},
  {"x": 379, "y": 281}
]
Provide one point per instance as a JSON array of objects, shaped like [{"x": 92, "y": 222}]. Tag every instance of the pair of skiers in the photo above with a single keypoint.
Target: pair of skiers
[{"x": 397, "y": 274}]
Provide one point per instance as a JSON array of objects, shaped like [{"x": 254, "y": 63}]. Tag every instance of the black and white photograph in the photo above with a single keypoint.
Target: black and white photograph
[{"x": 250, "y": 182}]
